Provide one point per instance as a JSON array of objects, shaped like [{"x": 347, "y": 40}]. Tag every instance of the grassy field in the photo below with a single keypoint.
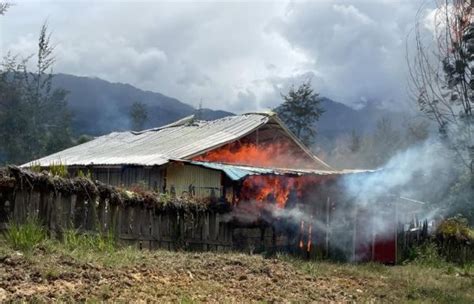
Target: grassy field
[{"x": 80, "y": 270}]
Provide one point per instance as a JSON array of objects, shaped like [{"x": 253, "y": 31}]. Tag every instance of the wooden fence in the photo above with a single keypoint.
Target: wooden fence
[
  {"x": 144, "y": 220},
  {"x": 452, "y": 249},
  {"x": 141, "y": 226}
]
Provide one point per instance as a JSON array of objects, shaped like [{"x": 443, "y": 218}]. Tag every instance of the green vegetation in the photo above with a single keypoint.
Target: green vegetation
[
  {"x": 76, "y": 241},
  {"x": 35, "y": 120},
  {"x": 455, "y": 228},
  {"x": 36, "y": 167},
  {"x": 427, "y": 255},
  {"x": 300, "y": 109},
  {"x": 138, "y": 116},
  {"x": 87, "y": 174},
  {"x": 427, "y": 279},
  {"x": 25, "y": 237},
  {"x": 58, "y": 169}
]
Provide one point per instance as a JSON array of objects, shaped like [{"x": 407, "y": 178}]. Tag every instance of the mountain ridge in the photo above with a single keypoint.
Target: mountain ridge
[{"x": 100, "y": 107}]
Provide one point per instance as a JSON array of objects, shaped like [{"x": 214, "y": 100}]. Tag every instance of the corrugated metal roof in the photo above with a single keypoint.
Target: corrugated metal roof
[
  {"x": 156, "y": 146},
  {"x": 237, "y": 172},
  {"x": 182, "y": 139}
]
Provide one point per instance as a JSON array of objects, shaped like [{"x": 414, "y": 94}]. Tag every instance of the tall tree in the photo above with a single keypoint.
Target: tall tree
[
  {"x": 138, "y": 116},
  {"x": 34, "y": 118},
  {"x": 300, "y": 109},
  {"x": 442, "y": 78},
  {"x": 442, "y": 74}
]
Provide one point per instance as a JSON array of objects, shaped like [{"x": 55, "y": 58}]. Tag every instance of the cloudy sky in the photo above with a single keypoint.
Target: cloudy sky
[{"x": 233, "y": 55}]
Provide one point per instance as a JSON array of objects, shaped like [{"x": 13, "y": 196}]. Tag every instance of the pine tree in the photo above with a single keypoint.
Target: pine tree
[
  {"x": 34, "y": 118},
  {"x": 138, "y": 116},
  {"x": 300, "y": 110}
]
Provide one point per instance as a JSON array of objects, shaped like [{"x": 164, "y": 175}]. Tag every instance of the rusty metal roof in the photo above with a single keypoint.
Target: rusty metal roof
[{"x": 183, "y": 139}]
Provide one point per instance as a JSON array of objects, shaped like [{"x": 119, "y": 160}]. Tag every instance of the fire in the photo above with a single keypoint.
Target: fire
[
  {"x": 310, "y": 230},
  {"x": 268, "y": 189},
  {"x": 309, "y": 242},
  {"x": 277, "y": 155},
  {"x": 301, "y": 234}
]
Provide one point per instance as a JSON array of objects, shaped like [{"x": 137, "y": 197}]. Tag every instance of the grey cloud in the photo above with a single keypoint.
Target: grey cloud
[
  {"x": 358, "y": 47},
  {"x": 236, "y": 56}
]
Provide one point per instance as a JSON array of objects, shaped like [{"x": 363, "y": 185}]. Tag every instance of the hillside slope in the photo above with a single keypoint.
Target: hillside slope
[{"x": 100, "y": 107}]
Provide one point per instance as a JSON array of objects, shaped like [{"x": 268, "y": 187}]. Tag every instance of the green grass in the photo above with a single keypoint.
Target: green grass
[
  {"x": 426, "y": 279},
  {"x": 25, "y": 237},
  {"x": 74, "y": 240}
]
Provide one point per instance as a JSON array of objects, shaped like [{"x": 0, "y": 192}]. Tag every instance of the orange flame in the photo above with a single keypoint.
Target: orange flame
[
  {"x": 276, "y": 155},
  {"x": 268, "y": 189},
  {"x": 308, "y": 247},
  {"x": 302, "y": 234}
]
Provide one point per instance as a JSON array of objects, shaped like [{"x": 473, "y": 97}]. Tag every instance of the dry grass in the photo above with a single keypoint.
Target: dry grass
[{"x": 52, "y": 272}]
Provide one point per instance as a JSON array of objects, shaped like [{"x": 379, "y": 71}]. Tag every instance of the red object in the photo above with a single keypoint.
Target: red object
[{"x": 370, "y": 246}]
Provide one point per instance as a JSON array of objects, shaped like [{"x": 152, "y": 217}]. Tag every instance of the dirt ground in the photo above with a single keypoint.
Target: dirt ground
[{"x": 130, "y": 276}]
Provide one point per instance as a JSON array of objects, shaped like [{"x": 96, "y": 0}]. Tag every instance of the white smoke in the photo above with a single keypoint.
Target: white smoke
[
  {"x": 421, "y": 172},
  {"x": 365, "y": 201}
]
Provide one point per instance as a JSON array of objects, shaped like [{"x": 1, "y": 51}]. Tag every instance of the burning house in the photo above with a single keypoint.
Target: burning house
[{"x": 282, "y": 196}]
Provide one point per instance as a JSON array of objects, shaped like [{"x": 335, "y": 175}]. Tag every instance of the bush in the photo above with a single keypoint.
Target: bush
[
  {"x": 455, "y": 228},
  {"x": 426, "y": 254},
  {"x": 27, "y": 236}
]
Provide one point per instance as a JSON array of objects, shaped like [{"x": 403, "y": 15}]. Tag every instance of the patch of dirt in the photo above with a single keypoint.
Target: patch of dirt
[{"x": 172, "y": 277}]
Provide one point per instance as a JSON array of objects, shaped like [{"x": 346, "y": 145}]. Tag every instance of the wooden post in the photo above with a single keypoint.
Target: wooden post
[
  {"x": 91, "y": 214},
  {"x": 79, "y": 212},
  {"x": 101, "y": 215},
  {"x": 354, "y": 237},
  {"x": 205, "y": 232},
  {"x": 56, "y": 215},
  {"x": 18, "y": 207},
  {"x": 328, "y": 225},
  {"x": 396, "y": 232},
  {"x": 373, "y": 239}
]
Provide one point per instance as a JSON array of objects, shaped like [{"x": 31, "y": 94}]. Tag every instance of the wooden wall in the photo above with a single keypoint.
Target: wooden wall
[{"x": 126, "y": 176}]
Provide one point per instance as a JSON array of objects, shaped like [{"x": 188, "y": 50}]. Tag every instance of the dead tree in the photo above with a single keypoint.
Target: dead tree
[{"x": 442, "y": 70}]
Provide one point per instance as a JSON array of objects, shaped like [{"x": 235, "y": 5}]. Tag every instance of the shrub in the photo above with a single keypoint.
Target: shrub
[
  {"x": 455, "y": 228},
  {"x": 426, "y": 254},
  {"x": 27, "y": 236}
]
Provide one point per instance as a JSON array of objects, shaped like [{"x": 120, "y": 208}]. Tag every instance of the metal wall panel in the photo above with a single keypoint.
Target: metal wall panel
[{"x": 193, "y": 180}]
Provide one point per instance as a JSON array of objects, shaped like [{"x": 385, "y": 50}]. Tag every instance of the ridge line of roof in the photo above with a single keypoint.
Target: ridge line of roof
[{"x": 190, "y": 118}]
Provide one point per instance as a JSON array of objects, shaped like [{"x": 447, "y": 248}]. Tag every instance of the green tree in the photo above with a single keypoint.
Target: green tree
[
  {"x": 34, "y": 118},
  {"x": 300, "y": 110},
  {"x": 138, "y": 116}
]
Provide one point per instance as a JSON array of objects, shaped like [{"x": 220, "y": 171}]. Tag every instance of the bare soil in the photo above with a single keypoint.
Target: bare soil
[{"x": 131, "y": 276}]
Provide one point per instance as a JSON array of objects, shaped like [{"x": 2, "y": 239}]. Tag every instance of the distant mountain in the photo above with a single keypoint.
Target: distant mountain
[
  {"x": 339, "y": 118},
  {"x": 100, "y": 107}
]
